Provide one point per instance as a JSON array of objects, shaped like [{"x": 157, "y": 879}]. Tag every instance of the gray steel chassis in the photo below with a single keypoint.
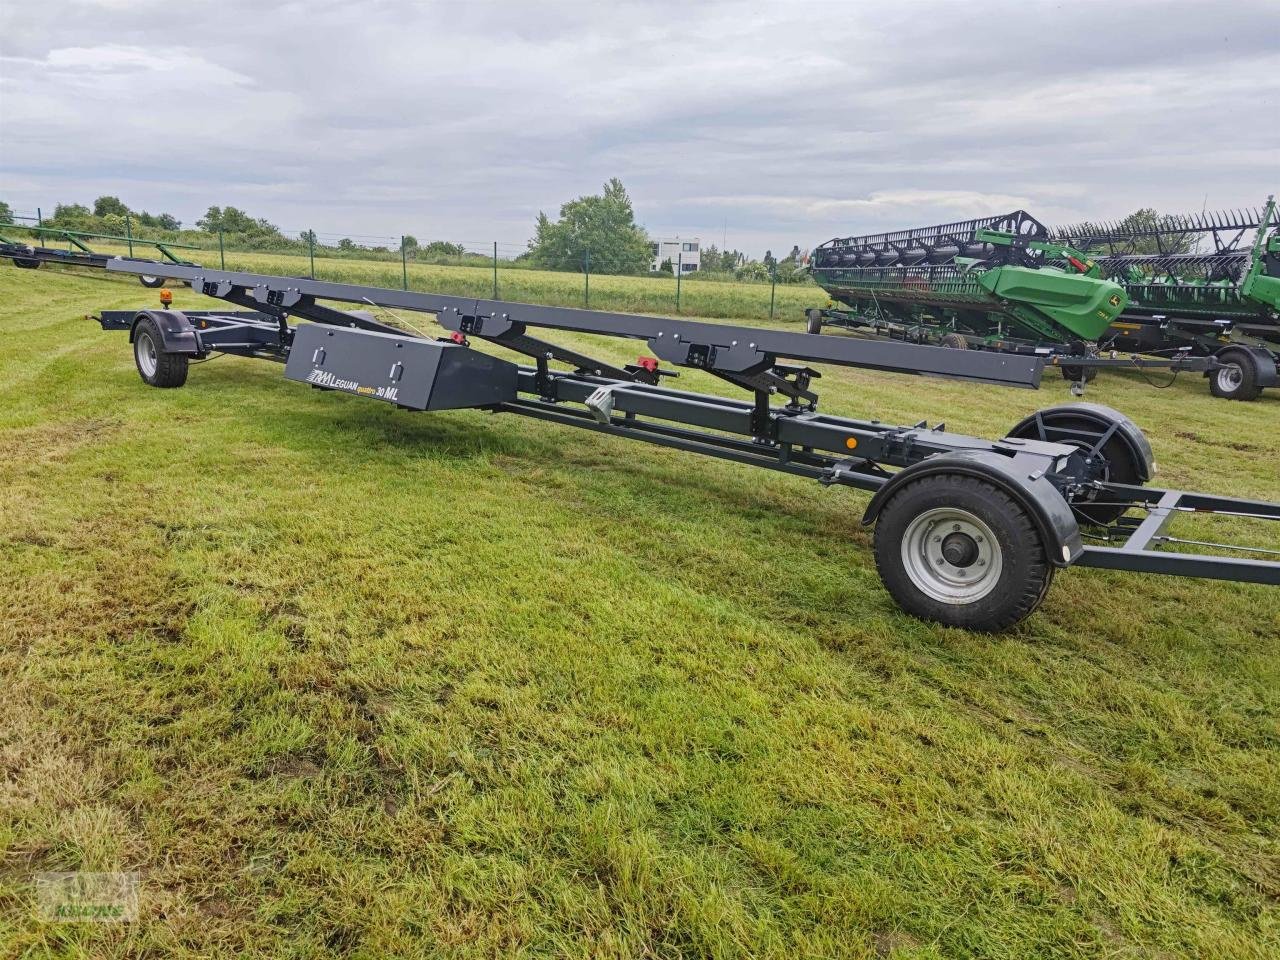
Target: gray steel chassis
[
  {"x": 1175, "y": 345},
  {"x": 1075, "y": 471}
]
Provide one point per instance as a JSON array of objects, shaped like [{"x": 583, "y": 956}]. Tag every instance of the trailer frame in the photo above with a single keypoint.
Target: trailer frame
[{"x": 1065, "y": 474}]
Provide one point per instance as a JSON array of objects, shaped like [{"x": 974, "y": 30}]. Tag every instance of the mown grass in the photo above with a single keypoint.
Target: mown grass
[
  {"x": 337, "y": 679},
  {"x": 645, "y": 294}
]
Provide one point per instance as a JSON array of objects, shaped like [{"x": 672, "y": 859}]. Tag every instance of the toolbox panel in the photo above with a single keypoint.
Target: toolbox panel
[{"x": 405, "y": 370}]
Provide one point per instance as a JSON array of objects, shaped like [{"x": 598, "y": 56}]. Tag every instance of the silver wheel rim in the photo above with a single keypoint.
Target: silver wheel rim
[
  {"x": 935, "y": 539},
  {"x": 1230, "y": 377},
  {"x": 144, "y": 349},
  {"x": 146, "y": 278}
]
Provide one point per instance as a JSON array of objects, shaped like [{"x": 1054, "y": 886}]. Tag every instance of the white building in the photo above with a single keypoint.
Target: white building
[{"x": 683, "y": 254}]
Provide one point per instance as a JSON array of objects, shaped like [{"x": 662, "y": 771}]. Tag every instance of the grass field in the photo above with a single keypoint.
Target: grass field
[{"x": 340, "y": 680}]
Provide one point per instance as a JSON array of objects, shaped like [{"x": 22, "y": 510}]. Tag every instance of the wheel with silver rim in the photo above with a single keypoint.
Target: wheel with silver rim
[
  {"x": 1237, "y": 378},
  {"x": 145, "y": 353},
  {"x": 959, "y": 550},
  {"x": 1230, "y": 378},
  {"x": 951, "y": 555},
  {"x": 150, "y": 282},
  {"x": 157, "y": 367}
]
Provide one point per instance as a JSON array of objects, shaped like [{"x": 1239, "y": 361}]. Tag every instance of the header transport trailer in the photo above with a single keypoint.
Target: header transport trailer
[
  {"x": 968, "y": 532},
  {"x": 28, "y": 256},
  {"x": 1009, "y": 284}
]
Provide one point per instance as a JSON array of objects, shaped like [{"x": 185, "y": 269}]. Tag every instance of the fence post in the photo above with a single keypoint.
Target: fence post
[
  {"x": 586, "y": 277},
  {"x": 773, "y": 288},
  {"x": 679, "y": 270},
  {"x": 404, "y": 263},
  {"x": 39, "y": 219},
  {"x": 222, "y": 250},
  {"x": 495, "y": 269},
  {"x": 311, "y": 248},
  {"x": 128, "y": 231}
]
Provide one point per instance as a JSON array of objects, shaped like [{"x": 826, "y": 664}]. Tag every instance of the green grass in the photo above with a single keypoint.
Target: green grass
[{"x": 337, "y": 679}]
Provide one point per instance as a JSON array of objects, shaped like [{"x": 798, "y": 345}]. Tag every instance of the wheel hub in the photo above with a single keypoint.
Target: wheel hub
[
  {"x": 951, "y": 555},
  {"x": 959, "y": 549},
  {"x": 1230, "y": 377}
]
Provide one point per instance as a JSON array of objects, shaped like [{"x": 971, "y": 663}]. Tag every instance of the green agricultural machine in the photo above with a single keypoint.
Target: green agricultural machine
[
  {"x": 984, "y": 281},
  {"x": 1208, "y": 283},
  {"x": 1188, "y": 293}
]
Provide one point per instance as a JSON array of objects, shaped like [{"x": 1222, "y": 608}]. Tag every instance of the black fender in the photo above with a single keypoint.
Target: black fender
[
  {"x": 1264, "y": 362},
  {"x": 1048, "y": 510},
  {"x": 1129, "y": 432},
  {"x": 177, "y": 332}
]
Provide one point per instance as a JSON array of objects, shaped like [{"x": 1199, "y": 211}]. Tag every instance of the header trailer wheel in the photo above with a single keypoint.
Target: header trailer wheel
[
  {"x": 156, "y": 367},
  {"x": 960, "y": 551},
  {"x": 1238, "y": 378}
]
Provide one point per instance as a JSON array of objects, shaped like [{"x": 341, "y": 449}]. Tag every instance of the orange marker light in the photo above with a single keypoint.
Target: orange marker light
[
  {"x": 166, "y": 297},
  {"x": 851, "y": 443}
]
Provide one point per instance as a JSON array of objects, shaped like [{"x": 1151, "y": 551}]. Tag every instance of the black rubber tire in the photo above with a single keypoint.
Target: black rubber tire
[
  {"x": 170, "y": 368},
  {"x": 1076, "y": 374},
  {"x": 26, "y": 263},
  {"x": 1119, "y": 462},
  {"x": 813, "y": 321},
  {"x": 1230, "y": 388},
  {"x": 1025, "y": 574},
  {"x": 151, "y": 283},
  {"x": 955, "y": 341}
]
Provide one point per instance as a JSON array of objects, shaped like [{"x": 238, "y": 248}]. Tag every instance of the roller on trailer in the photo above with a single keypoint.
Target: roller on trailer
[
  {"x": 79, "y": 253},
  {"x": 1207, "y": 282},
  {"x": 968, "y": 532}
]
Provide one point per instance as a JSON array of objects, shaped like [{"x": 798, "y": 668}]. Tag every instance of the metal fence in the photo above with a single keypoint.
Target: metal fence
[{"x": 494, "y": 269}]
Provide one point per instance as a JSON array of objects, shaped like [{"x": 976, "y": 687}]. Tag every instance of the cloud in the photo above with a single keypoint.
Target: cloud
[{"x": 771, "y": 124}]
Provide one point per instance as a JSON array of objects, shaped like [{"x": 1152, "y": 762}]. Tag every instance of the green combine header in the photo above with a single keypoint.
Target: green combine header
[
  {"x": 989, "y": 278},
  {"x": 1219, "y": 266}
]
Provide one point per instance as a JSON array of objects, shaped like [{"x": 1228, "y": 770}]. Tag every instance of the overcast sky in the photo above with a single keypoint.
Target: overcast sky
[{"x": 789, "y": 122}]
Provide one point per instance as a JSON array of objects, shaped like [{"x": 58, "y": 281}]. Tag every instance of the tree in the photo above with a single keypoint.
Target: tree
[
  {"x": 73, "y": 216},
  {"x": 666, "y": 267},
  {"x": 346, "y": 244},
  {"x": 442, "y": 248},
  {"x": 233, "y": 220},
  {"x": 6, "y": 213},
  {"x": 105, "y": 206},
  {"x": 167, "y": 221},
  {"x": 409, "y": 242},
  {"x": 596, "y": 230}
]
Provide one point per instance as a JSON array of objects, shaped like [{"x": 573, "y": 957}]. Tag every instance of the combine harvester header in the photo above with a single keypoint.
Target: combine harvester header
[
  {"x": 973, "y": 270},
  {"x": 1195, "y": 293},
  {"x": 1213, "y": 265}
]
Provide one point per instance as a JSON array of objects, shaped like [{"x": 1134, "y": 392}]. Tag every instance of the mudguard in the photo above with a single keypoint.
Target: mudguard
[
  {"x": 1264, "y": 362},
  {"x": 1037, "y": 495},
  {"x": 176, "y": 330},
  {"x": 1128, "y": 431}
]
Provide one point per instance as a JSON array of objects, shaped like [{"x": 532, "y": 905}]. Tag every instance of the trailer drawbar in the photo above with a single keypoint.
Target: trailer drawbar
[{"x": 968, "y": 532}]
